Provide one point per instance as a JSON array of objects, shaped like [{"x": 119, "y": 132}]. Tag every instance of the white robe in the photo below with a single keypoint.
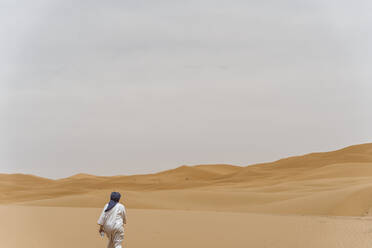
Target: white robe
[{"x": 112, "y": 222}]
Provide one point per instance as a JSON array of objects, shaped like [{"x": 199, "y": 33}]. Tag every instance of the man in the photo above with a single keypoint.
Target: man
[{"x": 111, "y": 221}]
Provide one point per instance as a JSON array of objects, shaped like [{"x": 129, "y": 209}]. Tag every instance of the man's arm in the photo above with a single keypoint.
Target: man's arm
[{"x": 100, "y": 221}]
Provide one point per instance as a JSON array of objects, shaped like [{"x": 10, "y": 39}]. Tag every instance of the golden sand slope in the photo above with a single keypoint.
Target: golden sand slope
[
  {"x": 330, "y": 183},
  {"x": 61, "y": 227}
]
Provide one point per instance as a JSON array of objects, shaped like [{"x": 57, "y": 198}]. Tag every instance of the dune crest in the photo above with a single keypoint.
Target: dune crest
[{"x": 327, "y": 183}]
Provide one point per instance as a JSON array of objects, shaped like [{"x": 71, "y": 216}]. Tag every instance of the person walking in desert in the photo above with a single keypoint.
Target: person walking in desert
[{"x": 112, "y": 220}]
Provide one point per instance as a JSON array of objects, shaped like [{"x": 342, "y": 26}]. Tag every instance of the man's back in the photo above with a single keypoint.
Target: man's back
[{"x": 114, "y": 218}]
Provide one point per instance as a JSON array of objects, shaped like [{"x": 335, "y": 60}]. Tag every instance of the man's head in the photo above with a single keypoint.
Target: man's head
[{"x": 115, "y": 196}]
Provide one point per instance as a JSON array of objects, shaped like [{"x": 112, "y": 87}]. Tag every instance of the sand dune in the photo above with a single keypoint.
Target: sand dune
[
  {"x": 264, "y": 205},
  {"x": 329, "y": 183}
]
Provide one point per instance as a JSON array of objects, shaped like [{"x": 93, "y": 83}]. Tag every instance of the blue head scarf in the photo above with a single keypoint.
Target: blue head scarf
[{"x": 114, "y": 199}]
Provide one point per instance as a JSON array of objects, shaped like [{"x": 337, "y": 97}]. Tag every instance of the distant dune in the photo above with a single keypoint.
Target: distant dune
[{"x": 329, "y": 183}]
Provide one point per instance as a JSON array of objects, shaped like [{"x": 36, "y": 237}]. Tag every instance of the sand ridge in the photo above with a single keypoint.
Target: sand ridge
[{"x": 329, "y": 183}]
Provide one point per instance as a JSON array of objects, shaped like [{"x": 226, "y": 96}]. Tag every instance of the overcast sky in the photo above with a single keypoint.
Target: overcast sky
[{"x": 127, "y": 87}]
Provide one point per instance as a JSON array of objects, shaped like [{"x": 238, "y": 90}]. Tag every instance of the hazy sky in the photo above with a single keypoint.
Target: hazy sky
[{"x": 124, "y": 87}]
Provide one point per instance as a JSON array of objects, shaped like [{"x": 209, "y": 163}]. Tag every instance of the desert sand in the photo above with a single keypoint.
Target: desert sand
[
  {"x": 62, "y": 227},
  {"x": 314, "y": 200}
]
